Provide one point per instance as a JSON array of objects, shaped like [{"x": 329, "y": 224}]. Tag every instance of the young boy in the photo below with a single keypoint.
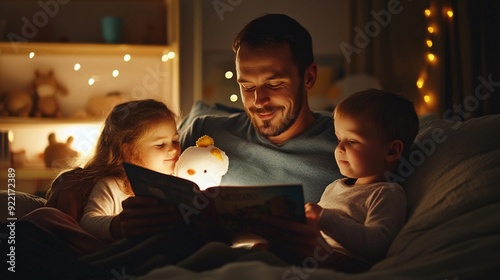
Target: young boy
[{"x": 360, "y": 215}]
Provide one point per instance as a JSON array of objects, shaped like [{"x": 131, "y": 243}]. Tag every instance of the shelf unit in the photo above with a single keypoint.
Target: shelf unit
[{"x": 33, "y": 176}]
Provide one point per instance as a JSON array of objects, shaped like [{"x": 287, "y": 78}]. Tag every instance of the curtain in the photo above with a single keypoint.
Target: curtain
[
  {"x": 465, "y": 77},
  {"x": 471, "y": 68}
]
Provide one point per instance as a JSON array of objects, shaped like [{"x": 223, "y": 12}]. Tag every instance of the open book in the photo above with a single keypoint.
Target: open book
[{"x": 225, "y": 211}]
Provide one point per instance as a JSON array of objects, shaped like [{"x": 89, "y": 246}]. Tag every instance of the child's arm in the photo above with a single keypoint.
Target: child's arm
[{"x": 370, "y": 237}]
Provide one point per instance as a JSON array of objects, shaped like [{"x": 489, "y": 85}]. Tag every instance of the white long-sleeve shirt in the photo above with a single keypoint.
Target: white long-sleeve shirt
[
  {"x": 362, "y": 220},
  {"x": 105, "y": 202}
]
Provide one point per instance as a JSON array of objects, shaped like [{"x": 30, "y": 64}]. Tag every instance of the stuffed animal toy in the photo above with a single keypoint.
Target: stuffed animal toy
[
  {"x": 203, "y": 164},
  {"x": 39, "y": 99},
  {"x": 46, "y": 88},
  {"x": 16, "y": 103},
  {"x": 59, "y": 155}
]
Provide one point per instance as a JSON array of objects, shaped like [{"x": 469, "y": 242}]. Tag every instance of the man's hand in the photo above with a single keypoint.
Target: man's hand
[{"x": 142, "y": 216}]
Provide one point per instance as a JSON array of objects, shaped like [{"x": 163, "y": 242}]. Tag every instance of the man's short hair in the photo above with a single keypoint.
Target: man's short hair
[{"x": 273, "y": 29}]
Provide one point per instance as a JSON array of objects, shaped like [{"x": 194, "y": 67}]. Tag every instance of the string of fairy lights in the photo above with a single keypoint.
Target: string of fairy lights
[{"x": 427, "y": 93}]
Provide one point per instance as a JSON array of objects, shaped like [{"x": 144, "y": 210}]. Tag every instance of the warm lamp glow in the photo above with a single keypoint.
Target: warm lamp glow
[
  {"x": 427, "y": 98},
  {"x": 429, "y": 43},
  {"x": 77, "y": 66},
  {"x": 127, "y": 57},
  {"x": 171, "y": 55},
  {"x": 32, "y": 54},
  {"x": 449, "y": 13},
  {"x": 420, "y": 82},
  {"x": 427, "y": 12},
  {"x": 430, "y": 29},
  {"x": 115, "y": 73},
  {"x": 91, "y": 81}
]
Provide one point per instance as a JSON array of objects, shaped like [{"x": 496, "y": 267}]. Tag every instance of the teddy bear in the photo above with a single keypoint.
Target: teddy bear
[
  {"x": 46, "y": 88},
  {"x": 203, "y": 164},
  {"x": 36, "y": 100},
  {"x": 58, "y": 154}
]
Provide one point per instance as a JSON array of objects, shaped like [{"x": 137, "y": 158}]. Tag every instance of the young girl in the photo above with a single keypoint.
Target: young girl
[
  {"x": 141, "y": 132},
  {"x": 92, "y": 206}
]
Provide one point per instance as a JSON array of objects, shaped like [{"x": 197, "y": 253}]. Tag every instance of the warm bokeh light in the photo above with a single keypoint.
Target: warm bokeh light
[
  {"x": 91, "y": 81},
  {"x": 171, "y": 55},
  {"x": 420, "y": 82},
  {"x": 77, "y": 66},
  {"x": 127, "y": 57},
  {"x": 427, "y": 98},
  {"x": 233, "y": 97},
  {"x": 431, "y": 57},
  {"x": 429, "y": 43},
  {"x": 449, "y": 13},
  {"x": 115, "y": 73},
  {"x": 228, "y": 74},
  {"x": 32, "y": 54},
  {"x": 427, "y": 12},
  {"x": 430, "y": 29}
]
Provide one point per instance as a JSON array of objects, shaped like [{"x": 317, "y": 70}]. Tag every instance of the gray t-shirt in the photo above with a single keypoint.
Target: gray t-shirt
[{"x": 253, "y": 160}]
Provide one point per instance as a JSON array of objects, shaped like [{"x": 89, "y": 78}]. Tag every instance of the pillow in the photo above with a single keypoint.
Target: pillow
[
  {"x": 201, "y": 109},
  {"x": 453, "y": 197},
  {"x": 24, "y": 204}
]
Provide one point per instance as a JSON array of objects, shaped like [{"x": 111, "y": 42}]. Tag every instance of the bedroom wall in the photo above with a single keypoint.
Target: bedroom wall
[
  {"x": 208, "y": 27},
  {"x": 326, "y": 21}
]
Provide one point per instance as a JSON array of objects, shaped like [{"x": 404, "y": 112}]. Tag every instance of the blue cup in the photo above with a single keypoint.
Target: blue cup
[{"x": 112, "y": 29}]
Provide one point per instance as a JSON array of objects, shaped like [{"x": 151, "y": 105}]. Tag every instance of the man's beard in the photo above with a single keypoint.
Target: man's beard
[{"x": 267, "y": 128}]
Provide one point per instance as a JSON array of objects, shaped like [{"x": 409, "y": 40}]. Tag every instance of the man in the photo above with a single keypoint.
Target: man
[{"x": 278, "y": 139}]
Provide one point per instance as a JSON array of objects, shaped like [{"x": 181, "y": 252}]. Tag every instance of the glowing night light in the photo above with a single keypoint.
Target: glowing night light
[
  {"x": 127, "y": 57},
  {"x": 449, "y": 13},
  {"x": 32, "y": 54},
  {"x": 164, "y": 57},
  {"x": 228, "y": 74},
  {"x": 429, "y": 43},
  {"x": 91, "y": 81},
  {"x": 430, "y": 29},
  {"x": 233, "y": 97},
  {"x": 171, "y": 55},
  {"x": 115, "y": 73},
  {"x": 77, "y": 66},
  {"x": 427, "y": 12}
]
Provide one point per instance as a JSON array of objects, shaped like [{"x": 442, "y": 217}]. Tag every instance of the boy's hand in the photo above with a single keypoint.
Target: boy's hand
[
  {"x": 142, "y": 216},
  {"x": 313, "y": 212}
]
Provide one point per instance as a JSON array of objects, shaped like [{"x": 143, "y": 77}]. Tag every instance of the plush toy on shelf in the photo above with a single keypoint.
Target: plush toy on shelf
[
  {"x": 58, "y": 154},
  {"x": 203, "y": 164},
  {"x": 38, "y": 99},
  {"x": 46, "y": 88}
]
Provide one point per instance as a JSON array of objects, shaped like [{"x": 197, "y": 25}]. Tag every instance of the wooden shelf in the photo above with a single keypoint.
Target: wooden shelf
[{"x": 83, "y": 49}]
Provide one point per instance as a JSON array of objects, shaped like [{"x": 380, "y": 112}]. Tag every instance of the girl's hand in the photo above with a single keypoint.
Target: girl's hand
[{"x": 142, "y": 216}]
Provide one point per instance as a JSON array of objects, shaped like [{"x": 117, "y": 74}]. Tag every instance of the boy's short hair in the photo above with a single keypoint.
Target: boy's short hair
[{"x": 392, "y": 114}]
